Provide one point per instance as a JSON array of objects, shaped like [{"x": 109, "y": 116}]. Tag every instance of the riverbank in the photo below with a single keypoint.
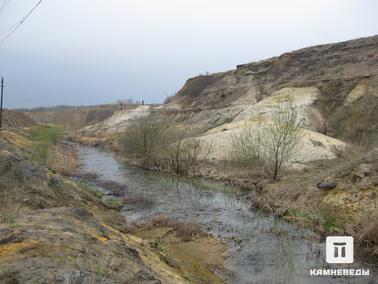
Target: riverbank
[
  {"x": 260, "y": 247},
  {"x": 54, "y": 229},
  {"x": 346, "y": 209},
  {"x": 43, "y": 207}
]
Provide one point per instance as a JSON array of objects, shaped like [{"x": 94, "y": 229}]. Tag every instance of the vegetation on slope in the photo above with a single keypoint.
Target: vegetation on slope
[{"x": 56, "y": 230}]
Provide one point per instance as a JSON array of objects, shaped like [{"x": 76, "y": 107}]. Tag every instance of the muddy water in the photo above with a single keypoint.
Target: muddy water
[{"x": 261, "y": 248}]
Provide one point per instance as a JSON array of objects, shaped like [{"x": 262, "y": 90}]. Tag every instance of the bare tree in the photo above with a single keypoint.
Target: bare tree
[
  {"x": 163, "y": 145},
  {"x": 281, "y": 138},
  {"x": 184, "y": 149},
  {"x": 272, "y": 143},
  {"x": 174, "y": 148},
  {"x": 142, "y": 139}
]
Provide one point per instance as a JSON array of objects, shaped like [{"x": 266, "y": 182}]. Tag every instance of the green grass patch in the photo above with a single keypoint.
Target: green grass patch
[
  {"x": 330, "y": 226},
  {"x": 9, "y": 218},
  {"x": 92, "y": 191},
  {"x": 112, "y": 203},
  {"x": 44, "y": 137},
  {"x": 300, "y": 214}
]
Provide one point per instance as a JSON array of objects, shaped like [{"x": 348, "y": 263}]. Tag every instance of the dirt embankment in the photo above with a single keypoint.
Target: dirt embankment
[
  {"x": 56, "y": 230},
  {"x": 16, "y": 119}
]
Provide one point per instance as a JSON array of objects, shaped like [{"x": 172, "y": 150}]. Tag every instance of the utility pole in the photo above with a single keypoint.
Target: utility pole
[{"x": 1, "y": 103}]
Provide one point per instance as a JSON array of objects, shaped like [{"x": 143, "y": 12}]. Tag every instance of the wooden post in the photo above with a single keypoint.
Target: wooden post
[{"x": 1, "y": 102}]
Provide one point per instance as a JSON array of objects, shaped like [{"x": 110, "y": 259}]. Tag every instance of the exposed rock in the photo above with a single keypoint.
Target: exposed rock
[{"x": 327, "y": 185}]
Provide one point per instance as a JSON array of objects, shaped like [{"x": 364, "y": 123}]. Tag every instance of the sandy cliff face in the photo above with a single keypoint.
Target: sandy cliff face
[
  {"x": 334, "y": 87},
  {"x": 353, "y": 60}
]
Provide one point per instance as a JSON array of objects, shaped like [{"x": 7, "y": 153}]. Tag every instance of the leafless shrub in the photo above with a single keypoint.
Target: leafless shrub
[
  {"x": 281, "y": 139},
  {"x": 272, "y": 143},
  {"x": 142, "y": 139},
  {"x": 246, "y": 145},
  {"x": 185, "y": 151},
  {"x": 163, "y": 146}
]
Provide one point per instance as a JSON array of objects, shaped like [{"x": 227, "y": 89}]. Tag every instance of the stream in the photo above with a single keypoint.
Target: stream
[{"x": 261, "y": 247}]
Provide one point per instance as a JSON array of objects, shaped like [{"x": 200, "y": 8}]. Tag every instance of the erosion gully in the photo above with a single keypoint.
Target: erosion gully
[{"x": 261, "y": 247}]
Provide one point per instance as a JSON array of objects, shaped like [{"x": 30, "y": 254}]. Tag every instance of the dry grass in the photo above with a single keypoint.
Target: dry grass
[
  {"x": 258, "y": 200},
  {"x": 15, "y": 137},
  {"x": 100, "y": 265},
  {"x": 62, "y": 159},
  {"x": 187, "y": 231},
  {"x": 157, "y": 220},
  {"x": 9, "y": 211},
  {"x": 367, "y": 233}
]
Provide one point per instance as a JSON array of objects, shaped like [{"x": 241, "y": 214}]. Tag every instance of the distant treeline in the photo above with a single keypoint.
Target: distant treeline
[{"x": 61, "y": 108}]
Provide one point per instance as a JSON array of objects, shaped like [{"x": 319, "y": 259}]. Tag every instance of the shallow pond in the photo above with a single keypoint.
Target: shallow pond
[{"x": 261, "y": 247}]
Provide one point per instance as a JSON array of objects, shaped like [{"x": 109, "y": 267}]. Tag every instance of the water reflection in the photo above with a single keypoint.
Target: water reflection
[{"x": 262, "y": 248}]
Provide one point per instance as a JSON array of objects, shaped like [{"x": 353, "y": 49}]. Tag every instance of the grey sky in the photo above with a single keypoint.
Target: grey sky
[{"x": 97, "y": 51}]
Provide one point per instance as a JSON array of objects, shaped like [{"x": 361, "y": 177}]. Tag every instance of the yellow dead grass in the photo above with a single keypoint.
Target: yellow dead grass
[
  {"x": 15, "y": 248},
  {"x": 15, "y": 139}
]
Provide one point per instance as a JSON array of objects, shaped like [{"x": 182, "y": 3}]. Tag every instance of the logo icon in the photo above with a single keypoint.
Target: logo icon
[{"x": 339, "y": 250}]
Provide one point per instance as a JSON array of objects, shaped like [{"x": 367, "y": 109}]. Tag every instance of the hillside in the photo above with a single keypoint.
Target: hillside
[
  {"x": 334, "y": 86},
  {"x": 72, "y": 118},
  {"x": 345, "y": 75},
  {"x": 16, "y": 119}
]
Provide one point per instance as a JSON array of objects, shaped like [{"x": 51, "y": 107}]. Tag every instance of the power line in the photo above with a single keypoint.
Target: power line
[
  {"x": 20, "y": 22},
  {"x": 4, "y": 5},
  {"x": 8, "y": 30}
]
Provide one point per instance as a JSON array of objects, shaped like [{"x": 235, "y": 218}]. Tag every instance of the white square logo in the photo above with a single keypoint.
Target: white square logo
[{"x": 339, "y": 250}]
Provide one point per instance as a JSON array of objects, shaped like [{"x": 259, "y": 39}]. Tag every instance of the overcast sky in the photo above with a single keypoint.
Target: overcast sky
[{"x": 98, "y": 51}]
